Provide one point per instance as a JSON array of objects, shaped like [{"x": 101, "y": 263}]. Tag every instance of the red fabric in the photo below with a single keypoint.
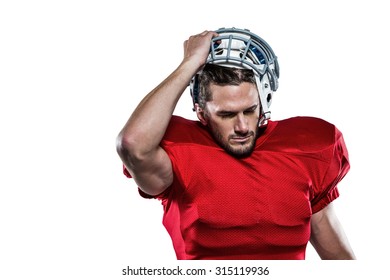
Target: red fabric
[{"x": 259, "y": 207}]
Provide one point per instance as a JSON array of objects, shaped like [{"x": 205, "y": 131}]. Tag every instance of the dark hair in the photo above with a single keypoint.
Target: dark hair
[{"x": 220, "y": 75}]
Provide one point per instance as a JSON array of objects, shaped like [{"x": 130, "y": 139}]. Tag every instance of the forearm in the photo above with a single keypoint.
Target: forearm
[
  {"x": 334, "y": 249},
  {"x": 147, "y": 125},
  {"x": 328, "y": 237}
]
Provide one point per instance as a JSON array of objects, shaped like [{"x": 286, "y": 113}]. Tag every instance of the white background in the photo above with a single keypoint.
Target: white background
[{"x": 71, "y": 72}]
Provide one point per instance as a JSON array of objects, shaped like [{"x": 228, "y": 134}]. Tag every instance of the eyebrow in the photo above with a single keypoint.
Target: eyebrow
[{"x": 224, "y": 112}]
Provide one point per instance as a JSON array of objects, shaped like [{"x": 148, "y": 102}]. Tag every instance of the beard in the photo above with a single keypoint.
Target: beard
[{"x": 239, "y": 150}]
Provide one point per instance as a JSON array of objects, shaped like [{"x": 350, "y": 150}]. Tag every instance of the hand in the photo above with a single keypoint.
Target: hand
[{"x": 197, "y": 47}]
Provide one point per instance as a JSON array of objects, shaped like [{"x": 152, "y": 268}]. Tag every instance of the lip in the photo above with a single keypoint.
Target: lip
[{"x": 241, "y": 139}]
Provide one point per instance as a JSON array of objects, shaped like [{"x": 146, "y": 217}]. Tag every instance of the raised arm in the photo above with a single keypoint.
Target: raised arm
[
  {"x": 138, "y": 142},
  {"x": 328, "y": 237}
]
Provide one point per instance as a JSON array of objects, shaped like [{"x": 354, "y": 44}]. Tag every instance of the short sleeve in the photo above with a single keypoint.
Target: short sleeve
[
  {"x": 337, "y": 169},
  {"x": 142, "y": 193}
]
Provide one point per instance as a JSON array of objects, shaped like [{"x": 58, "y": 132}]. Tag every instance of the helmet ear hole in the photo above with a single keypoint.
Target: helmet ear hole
[{"x": 269, "y": 97}]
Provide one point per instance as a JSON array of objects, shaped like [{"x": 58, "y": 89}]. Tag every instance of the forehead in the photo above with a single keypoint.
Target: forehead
[{"x": 233, "y": 97}]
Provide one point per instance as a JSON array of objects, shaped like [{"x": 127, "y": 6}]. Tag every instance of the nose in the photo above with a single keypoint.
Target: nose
[{"x": 241, "y": 124}]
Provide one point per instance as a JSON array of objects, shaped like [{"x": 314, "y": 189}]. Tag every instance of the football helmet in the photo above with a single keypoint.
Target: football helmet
[{"x": 241, "y": 48}]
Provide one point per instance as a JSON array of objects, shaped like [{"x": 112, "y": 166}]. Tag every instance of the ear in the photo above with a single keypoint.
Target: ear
[{"x": 200, "y": 114}]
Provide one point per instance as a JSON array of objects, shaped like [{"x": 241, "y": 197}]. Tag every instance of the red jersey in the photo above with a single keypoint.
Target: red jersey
[{"x": 259, "y": 207}]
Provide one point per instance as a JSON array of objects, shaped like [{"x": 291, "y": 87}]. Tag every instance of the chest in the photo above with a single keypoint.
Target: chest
[{"x": 266, "y": 189}]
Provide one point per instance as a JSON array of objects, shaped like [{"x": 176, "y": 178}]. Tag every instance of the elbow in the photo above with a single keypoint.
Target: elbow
[
  {"x": 130, "y": 149},
  {"x": 124, "y": 145}
]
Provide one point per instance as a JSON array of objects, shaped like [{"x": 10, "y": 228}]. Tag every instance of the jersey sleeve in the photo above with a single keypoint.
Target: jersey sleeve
[
  {"x": 174, "y": 134},
  {"x": 142, "y": 193},
  {"x": 338, "y": 167}
]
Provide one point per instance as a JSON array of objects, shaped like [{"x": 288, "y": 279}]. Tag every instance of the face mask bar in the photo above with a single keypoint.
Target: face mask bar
[
  {"x": 240, "y": 47},
  {"x": 235, "y": 50}
]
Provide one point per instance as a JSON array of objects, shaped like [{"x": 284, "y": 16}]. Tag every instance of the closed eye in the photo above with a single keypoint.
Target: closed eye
[
  {"x": 250, "y": 110},
  {"x": 232, "y": 114},
  {"x": 226, "y": 115}
]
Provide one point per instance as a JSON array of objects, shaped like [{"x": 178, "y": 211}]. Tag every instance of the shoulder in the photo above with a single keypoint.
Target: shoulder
[
  {"x": 181, "y": 130},
  {"x": 177, "y": 121},
  {"x": 305, "y": 124},
  {"x": 305, "y": 133}
]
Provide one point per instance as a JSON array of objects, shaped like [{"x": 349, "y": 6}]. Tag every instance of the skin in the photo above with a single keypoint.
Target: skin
[
  {"x": 328, "y": 237},
  {"x": 232, "y": 118}
]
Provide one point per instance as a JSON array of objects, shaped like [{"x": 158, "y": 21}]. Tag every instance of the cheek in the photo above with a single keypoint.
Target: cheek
[
  {"x": 254, "y": 121},
  {"x": 224, "y": 128},
  {"x": 255, "y": 118}
]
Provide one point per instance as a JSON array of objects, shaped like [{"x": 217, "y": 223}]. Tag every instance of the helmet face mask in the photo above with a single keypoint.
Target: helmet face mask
[{"x": 240, "y": 48}]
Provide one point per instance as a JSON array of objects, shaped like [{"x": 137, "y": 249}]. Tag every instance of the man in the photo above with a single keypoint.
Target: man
[{"x": 236, "y": 185}]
